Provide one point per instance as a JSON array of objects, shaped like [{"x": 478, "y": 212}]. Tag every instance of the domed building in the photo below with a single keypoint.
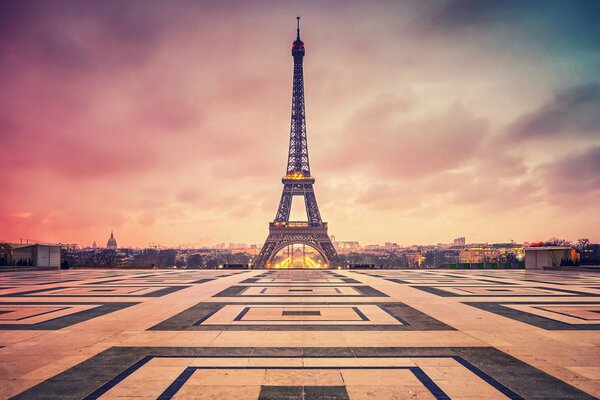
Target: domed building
[{"x": 112, "y": 242}]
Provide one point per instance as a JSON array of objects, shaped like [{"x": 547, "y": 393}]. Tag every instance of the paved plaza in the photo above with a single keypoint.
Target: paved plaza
[{"x": 299, "y": 334}]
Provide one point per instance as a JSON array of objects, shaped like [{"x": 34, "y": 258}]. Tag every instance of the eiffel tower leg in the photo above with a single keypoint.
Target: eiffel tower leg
[
  {"x": 266, "y": 253},
  {"x": 285, "y": 205},
  {"x": 312, "y": 209},
  {"x": 332, "y": 255}
]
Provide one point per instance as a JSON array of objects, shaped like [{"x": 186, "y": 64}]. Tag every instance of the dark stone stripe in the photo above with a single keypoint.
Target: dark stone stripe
[
  {"x": 410, "y": 318},
  {"x": 301, "y": 313},
  {"x": 67, "y": 320},
  {"x": 177, "y": 384},
  {"x": 117, "y": 379},
  {"x": 435, "y": 390},
  {"x": 500, "y": 308},
  {"x": 439, "y": 291},
  {"x": 489, "y": 380}
]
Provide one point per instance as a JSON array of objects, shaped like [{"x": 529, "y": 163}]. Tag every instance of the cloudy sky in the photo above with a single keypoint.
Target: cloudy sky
[{"x": 427, "y": 120}]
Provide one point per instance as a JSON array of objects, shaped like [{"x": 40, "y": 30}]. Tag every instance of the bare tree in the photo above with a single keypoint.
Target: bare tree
[
  {"x": 582, "y": 244},
  {"x": 5, "y": 253},
  {"x": 557, "y": 242}
]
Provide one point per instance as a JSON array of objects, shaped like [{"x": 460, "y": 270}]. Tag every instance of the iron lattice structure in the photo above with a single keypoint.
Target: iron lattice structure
[{"x": 297, "y": 182}]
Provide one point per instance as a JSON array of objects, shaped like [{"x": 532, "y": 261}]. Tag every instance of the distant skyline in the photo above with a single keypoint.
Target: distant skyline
[{"x": 169, "y": 121}]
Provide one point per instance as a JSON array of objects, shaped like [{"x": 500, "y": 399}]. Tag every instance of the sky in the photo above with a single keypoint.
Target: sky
[{"x": 427, "y": 120}]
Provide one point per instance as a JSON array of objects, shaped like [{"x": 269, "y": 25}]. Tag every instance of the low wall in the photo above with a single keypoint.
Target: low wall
[{"x": 517, "y": 265}]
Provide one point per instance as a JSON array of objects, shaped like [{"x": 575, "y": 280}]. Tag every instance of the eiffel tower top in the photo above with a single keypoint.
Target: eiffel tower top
[
  {"x": 298, "y": 45},
  {"x": 298, "y": 166}
]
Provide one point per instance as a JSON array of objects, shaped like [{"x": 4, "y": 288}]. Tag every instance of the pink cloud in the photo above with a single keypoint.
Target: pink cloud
[{"x": 379, "y": 138}]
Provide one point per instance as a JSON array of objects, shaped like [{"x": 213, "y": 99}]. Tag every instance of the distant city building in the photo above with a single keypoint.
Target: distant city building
[
  {"x": 94, "y": 245},
  {"x": 112, "y": 242},
  {"x": 348, "y": 245},
  {"x": 460, "y": 241},
  {"x": 484, "y": 252},
  {"x": 477, "y": 254},
  {"x": 374, "y": 249},
  {"x": 415, "y": 258}
]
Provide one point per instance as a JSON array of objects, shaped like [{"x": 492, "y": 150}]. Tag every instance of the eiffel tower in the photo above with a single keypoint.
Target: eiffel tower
[{"x": 297, "y": 182}]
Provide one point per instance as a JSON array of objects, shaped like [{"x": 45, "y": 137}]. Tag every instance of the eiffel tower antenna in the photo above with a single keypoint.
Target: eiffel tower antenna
[{"x": 297, "y": 182}]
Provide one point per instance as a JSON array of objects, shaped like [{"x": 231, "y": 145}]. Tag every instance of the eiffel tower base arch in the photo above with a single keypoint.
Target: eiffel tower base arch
[{"x": 288, "y": 233}]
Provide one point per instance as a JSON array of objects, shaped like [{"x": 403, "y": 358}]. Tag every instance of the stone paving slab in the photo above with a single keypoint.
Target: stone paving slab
[{"x": 299, "y": 334}]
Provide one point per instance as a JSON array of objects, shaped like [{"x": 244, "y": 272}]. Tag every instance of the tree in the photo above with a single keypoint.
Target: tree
[
  {"x": 582, "y": 244},
  {"x": 239, "y": 258},
  {"x": 145, "y": 258},
  {"x": 557, "y": 242},
  {"x": 195, "y": 261},
  {"x": 5, "y": 253},
  {"x": 107, "y": 258},
  {"x": 166, "y": 258}
]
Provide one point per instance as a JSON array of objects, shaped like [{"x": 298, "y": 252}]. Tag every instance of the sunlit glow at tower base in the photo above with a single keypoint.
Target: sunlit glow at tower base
[{"x": 298, "y": 256}]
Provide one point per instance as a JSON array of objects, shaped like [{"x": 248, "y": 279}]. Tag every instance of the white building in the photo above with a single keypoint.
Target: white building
[
  {"x": 549, "y": 257},
  {"x": 36, "y": 255}
]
